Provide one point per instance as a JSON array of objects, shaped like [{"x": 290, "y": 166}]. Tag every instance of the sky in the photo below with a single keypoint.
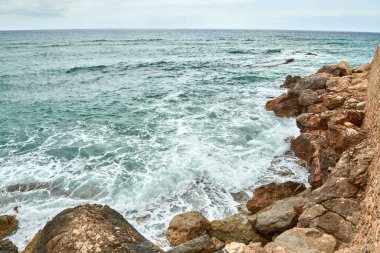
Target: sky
[{"x": 326, "y": 15}]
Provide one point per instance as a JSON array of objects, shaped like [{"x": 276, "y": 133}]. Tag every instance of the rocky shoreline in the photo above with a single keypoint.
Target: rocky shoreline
[{"x": 338, "y": 113}]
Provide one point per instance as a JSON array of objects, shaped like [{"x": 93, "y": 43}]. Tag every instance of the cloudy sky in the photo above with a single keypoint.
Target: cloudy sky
[{"x": 341, "y": 15}]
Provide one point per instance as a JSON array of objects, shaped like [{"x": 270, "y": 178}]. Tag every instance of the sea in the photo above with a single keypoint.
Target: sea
[{"x": 150, "y": 122}]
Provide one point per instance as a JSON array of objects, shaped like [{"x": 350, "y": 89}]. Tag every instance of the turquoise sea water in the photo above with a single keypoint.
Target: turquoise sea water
[{"x": 152, "y": 123}]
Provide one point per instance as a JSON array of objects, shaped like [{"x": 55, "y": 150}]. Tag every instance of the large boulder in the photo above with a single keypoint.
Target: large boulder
[
  {"x": 284, "y": 106},
  {"x": 6, "y": 246},
  {"x": 313, "y": 82},
  {"x": 235, "y": 228},
  {"x": 308, "y": 97},
  {"x": 202, "y": 244},
  {"x": 186, "y": 226},
  {"x": 279, "y": 216},
  {"x": 8, "y": 225},
  {"x": 90, "y": 228},
  {"x": 302, "y": 240},
  {"x": 341, "y": 69},
  {"x": 267, "y": 194}
]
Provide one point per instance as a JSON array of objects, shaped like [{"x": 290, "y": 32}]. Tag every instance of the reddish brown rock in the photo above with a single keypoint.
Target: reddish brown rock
[
  {"x": 284, "y": 106},
  {"x": 341, "y": 69},
  {"x": 265, "y": 195},
  {"x": 332, "y": 101},
  {"x": 8, "y": 225},
  {"x": 186, "y": 226},
  {"x": 310, "y": 121},
  {"x": 308, "y": 97}
]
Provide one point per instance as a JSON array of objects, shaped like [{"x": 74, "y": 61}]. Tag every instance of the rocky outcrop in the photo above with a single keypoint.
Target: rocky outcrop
[
  {"x": 90, "y": 228},
  {"x": 187, "y": 226},
  {"x": 8, "y": 225},
  {"x": 302, "y": 240},
  {"x": 6, "y": 246},
  {"x": 267, "y": 194}
]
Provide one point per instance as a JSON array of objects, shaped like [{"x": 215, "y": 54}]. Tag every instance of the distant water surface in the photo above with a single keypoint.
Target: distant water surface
[{"x": 152, "y": 123}]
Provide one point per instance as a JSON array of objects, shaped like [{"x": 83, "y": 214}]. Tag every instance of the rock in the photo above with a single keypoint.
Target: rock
[
  {"x": 309, "y": 214},
  {"x": 334, "y": 188},
  {"x": 310, "y": 121},
  {"x": 90, "y": 228},
  {"x": 236, "y": 247},
  {"x": 279, "y": 216},
  {"x": 313, "y": 54},
  {"x": 6, "y": 246},
  {"x": 313, "y": 82},
  {"x": 317, "y": 108},
  {"x": 186, "y": 226},
  {"x": 308, "y": 97},
  {"x": 302, "y": 240},
  {"x": 284, "y": 106},
  {"x": 265, "y": 195},
  {"x": 287, "y": 61},
  {"x": 218, "y": 244},
  {"x": 202, "y": 244},
  {"x": 342, "y": 137},
  {"x": 290, "y": 81},
  {"x": 240, "y": 196},
  {"x": 341, "y": 69},
  {"x": 236, "y": 228},
  {"x": 8, "y": 225},
  {"x": 347, "y": 208},
  {"x": 332, "y": 101}
]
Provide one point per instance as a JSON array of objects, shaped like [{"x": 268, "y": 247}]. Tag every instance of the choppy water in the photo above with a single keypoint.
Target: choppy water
[{"x": 152, "y": 123}]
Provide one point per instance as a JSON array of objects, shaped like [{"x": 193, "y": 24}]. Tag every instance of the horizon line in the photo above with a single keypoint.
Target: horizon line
[{"x": 183, "y": 29}]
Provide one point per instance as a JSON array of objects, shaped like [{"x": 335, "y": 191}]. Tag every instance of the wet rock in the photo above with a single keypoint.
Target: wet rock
[
  {"x": 341, "y": 69},
  {"x": 313, "y": 82},
  {"x": 8, "y": 225},
  {"x": 308, "y": 97},
  {"x": 90, "y": 228},
  {"x": 290, "y": 81},
  {"x": 202, "y": 244},
  {"x": 284, "y": 106},
  {"x": 186, "y": 226},
  {"x": 265, "y": 195},
  {"x": 6, "y": 246},
  {"x": 302, "y": 240},
  {"x": 240, "y": 196},
  {"x": 236, "y": 228},
  {"x": 287, "y": 61},
  {"x": 278, "y": 217}
]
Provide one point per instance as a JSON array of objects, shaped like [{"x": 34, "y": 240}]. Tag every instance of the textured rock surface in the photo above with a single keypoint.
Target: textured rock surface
[
  {"x": 8, "y": 224},
  {"x": 236, "y": 228},
  {"x": 278, "y": 217},
  {"x": 7, "y": 246},
  {"x": 202, "y": 244},
  {"x": 90, "y": 228},
  {"x": 268, "y": 194},
  {"x": 186, "y": 226},
  {"x": 302, "y": 240}
]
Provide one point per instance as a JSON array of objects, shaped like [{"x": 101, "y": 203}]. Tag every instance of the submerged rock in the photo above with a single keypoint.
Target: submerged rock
[
  {"x": 90, "y": 228},
  {"x": 302, "y": 240},
  {"x": 8, "y": 225},
  {"x": 187, "y": 226},
  {"x": 265, "y": 195}
]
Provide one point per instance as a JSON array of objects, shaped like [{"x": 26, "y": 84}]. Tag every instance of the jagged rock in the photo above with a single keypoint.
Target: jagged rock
[
  {"x": 341, "y": 69},
  {"x": 6, "y": 246},
  {"x": 342, "y": 137},
  {"x": 236, "y": 228},
  {"x": 335, "y": 225},
  {"x": 8, "y": 225},
  {"x": 284, "y": 106},
  {"x": 317, "y": 108},
  {"x": 332, "y": 101},
  {"x": 313, "y": 82},
  {"x": 290, "y": 81},
  {"x": 90, "y": 228},
  {"x": 308, "y": 97},
  {"x": 265, "y": 195},
  {"x": 186, "y": 226},
  {"x": 338, "y": 84},
  {"x": 310, "y": 121},
  {"x": 309, "y": 214},
  {"x": 334, "y": 188},
  {"x": 202, "y": 244},
  {"x": 302, "y": 240},
  {"x": 279, "y": 216}
]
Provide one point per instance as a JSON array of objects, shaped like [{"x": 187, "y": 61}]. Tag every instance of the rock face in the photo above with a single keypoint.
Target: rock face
[
  {"x": 236, "y": 228},
  {"x": 8, "y": 224},
  {"x": 90, "y": 228},
  {"x": 302, "y": 240},
  {"x": 341, "y": 69},
  {"x": 278, "y": 217},
  {"x": 270, "y": 193},
  {"x": 202, "y": 244},
  {"x": 7, "y": 246},
  {"x": 187, "y": 226}
]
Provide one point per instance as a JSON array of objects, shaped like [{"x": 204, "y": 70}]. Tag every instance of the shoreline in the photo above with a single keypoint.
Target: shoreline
[{"x": 336, "y": 110}]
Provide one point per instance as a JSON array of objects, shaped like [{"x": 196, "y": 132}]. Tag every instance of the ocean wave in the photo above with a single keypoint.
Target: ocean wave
[{"x": 86, "y": 69}]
